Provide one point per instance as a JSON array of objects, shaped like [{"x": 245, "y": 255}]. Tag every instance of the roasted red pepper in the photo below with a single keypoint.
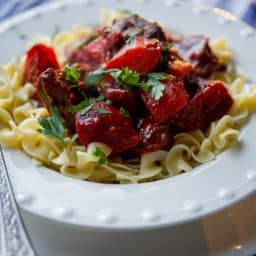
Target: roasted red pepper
[
  {"x": 209, "y": 104},
  {"x": 141, "y": 55},
  {"x": 39, "y": 58},
  {"x": 174, "y": 99}
]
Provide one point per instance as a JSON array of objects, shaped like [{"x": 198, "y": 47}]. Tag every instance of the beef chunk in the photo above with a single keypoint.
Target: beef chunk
[
  {"x": 209, "y": 104},
  {"x": 111, "y": 128},
  {"x": 196, "y": 50},
  {"x": 119, "y": 96},
  {"x": 98, "y": 51},
  {"x": 141, "y": 26},
  {"x": 54, "y": 91},
  {"x": 154, "y": 136}
]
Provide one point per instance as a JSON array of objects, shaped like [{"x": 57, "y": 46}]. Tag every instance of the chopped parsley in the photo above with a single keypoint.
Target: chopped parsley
[
  {"x": 131, "y": 35},
  {"x": 93, "y": 78},
  {"x": 124, "y": 112},
  {"x": 53, "y": 125},
  {"x": 102, "y": 158},
  {"x": 166, "y": 47},
  {"x": 83, "y": 107},
  {"x": 109, "y": 102},
  {"x": 102, "y": 111},
  {"x": 126, "y": 77},
  {"x": 157, "y": 87},
  {"x": 71, "y": 74},
  {"x": 130, "y": 79}
]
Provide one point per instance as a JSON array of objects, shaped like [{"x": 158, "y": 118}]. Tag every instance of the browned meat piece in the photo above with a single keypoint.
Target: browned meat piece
[
  {"x": 110, "y": 127},
  {"x": 154, "y": 136},
  {"x": 54, "y": 91},
  {"x": 98, "y": 51},
  {"x": 137, "y": 24},
  {"x": 119, "y": 96},
  {"x": 196, "y": 50},
  {"x": 210, "y": 102},
  {"x": 83, "y": 69}
]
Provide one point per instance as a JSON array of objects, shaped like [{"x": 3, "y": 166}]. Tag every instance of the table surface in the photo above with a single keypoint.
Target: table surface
[
  {"x": 244, "y": 9},
  {"x": 229, "y": 232}
]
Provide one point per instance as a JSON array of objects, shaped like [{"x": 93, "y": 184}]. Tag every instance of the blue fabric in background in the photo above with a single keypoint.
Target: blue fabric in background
[{"x": 245, "y": 9}]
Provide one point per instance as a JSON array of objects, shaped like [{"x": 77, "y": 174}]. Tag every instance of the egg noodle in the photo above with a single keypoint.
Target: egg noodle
[{"x": 19, "y": 126}]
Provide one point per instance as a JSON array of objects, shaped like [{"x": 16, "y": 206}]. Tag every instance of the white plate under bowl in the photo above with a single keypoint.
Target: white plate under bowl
[{"x": 206, "y": 189}]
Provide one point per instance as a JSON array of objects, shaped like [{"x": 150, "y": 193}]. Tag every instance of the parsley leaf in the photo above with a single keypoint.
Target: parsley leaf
[
  {"x": 109, "y": 102},
  {"x": 101, "y": 155},
  {"x": 126, "y": 77},
  {"x": 79, "y": 90},
  {"x": 130, "y": 79},
  {"x": 83, "y": 107},
  {"x": 93, "y": 78},
  {"x": 131, "y": 35},
  {"x": 102, "y": 111},
  {"x": 53, "y": 125},
  {"x": 124, "y": 112},
  {"x": 157, "y": 87},
  {"x": 71, "y": 74},
  {"x": 166, "y": 47}
]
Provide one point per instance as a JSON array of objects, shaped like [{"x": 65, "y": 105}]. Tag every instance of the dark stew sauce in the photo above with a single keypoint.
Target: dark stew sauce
[{"x": 131, "y": 86}]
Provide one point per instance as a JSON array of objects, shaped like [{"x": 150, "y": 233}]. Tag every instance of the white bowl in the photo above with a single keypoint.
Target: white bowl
[{"x": 208, "y": 188}]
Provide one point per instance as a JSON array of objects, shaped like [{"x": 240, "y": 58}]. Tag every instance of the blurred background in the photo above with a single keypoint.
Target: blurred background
[{"x": 244, "y": 9}]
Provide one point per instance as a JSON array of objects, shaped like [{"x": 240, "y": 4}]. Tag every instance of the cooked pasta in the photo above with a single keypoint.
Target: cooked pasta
[{"x": 19, "y": 127}]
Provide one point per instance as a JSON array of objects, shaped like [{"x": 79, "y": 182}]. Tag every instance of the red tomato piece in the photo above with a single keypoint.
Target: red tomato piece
[
  {"x": 141, "y": 55},
  {"x": 39, "y": 58},
  {"x": 174, "y": 99},
  {"x": 155, "y": 136},
  {"x": 209, "y": 104},
  {"x": 113, "y": 129}
]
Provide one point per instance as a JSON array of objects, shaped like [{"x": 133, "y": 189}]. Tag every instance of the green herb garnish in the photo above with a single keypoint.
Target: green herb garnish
[
  {"x": 109, "y": 102},
  {"x": 53, "y": 125},
  {"x": 124, "y": 112},
  {"x": 83, "y": 107},
  {"x": 101, "y": 155},
  {"x": 130, "y": 79},
  {"x": 71, "y": 74},
  {"x": 157, "y": 87},
  {"x": 93, "y": 78},
  {"x": 131, "y": 35},
  {"x": 166, "y": 47},
  {"x": 126, "y": 77},
  {"x": 102, "y": 111}
]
